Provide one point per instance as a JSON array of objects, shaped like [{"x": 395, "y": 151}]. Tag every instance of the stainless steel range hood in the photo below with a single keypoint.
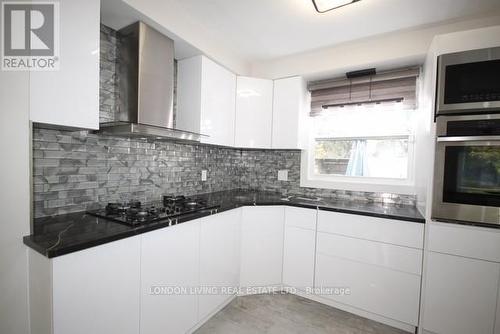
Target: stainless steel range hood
[{"x": 146, "y": 86}]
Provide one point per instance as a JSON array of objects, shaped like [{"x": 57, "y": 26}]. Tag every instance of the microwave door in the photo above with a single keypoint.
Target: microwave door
[
  {"x": 467, "y": 179},
  {"x": 469, "y": 81}
]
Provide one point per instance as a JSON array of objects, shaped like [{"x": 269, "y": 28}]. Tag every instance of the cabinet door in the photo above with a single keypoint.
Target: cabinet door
[
  {"x": 219, "y": 259},
  {"x": 460, "y": 295},
  {"x": 298, "y": 257},
  {"x": 70, "y": 95},
  {"x": 261, "y": 246},
  {"x": 170, "y": 260},
  {"x": 218, "y": 103},
  {"x": 254, "y": 108},
  {"x": 97, "y": 290},
  {"x": 289, "y": 112}
]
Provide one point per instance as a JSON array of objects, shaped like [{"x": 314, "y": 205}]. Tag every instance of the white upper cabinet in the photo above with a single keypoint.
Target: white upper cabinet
[
  {"x": 254, "y": 109},
  {"x": 290, "y": 108},
  {"x": 206, "y": 94},
  {"x": 69, "y": 96}
]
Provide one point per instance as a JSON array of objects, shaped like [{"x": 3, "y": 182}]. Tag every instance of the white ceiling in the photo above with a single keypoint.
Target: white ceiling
[{"x": 264, "y": 29}]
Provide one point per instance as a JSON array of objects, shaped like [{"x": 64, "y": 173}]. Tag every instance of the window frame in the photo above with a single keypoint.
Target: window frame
[{"x": 357, "y": 183}]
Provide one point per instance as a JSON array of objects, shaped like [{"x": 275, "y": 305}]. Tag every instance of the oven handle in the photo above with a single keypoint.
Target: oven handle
[{"x": 468, "y": 138}]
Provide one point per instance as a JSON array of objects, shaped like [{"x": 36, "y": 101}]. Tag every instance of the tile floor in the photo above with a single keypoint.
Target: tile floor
[{"x": 286, "y": 313}]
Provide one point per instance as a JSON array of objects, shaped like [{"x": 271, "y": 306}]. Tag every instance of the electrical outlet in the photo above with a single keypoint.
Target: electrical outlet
[
  {"x": 283, "y": 175},
  {"x": 204, "y": 175}
]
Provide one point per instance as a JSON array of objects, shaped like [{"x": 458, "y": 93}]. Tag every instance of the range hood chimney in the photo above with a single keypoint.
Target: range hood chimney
[{"x": 146, "y": 88}]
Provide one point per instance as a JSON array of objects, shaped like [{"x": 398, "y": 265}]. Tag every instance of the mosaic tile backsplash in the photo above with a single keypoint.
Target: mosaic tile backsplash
[{"x": 77, "y": 171}]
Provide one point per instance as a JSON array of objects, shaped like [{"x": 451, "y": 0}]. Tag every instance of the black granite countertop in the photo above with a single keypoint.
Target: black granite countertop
[{"x": 59, "y": 235}]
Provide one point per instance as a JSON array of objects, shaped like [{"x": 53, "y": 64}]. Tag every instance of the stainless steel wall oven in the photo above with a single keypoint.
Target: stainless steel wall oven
[{"x": 467, "y": 169}]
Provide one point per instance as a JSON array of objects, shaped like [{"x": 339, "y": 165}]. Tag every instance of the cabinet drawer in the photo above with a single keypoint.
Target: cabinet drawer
[
  {"x": 394, "y": 257},
  {"x": 469, "y": 241},
  {"x": 389, "y": 293},
  {"x": 300, "y": 217},
  {"x": 390, "y": 231}
]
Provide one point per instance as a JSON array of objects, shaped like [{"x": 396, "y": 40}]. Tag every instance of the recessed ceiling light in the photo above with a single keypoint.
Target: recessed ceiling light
[{"x": 326, "y": 5}]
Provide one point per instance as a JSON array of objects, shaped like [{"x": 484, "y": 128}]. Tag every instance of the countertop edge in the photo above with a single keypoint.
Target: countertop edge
[{"x": 93, "y": 243}]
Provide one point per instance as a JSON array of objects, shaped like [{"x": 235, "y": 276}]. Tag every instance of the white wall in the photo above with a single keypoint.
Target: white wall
[
  {"x": 14, "y": 201},
  {"x": 441, "y": 44},
  {"x": 389, "y": 50}
]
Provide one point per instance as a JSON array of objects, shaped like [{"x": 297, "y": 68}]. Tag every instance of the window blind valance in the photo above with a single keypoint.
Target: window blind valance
[{"x": 396, "y": 85}]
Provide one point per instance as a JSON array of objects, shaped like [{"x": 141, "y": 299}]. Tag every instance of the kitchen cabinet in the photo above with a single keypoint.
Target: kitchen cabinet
[
  {"x": 290, "y": 113},
  {"x": 462, "y": 276},
  {"x": 375, "y": 262},
  {"x": 254, "y": 112},
  {"x": 170, "y": 259},
  {"x": 460, "y": 295},
  {"x": 69, "y": 96},
  {"x": 219, "y": 260},
  {"x": 299, "y": 248},
  {"x": 91, "y": 291},
  {"x": 261, "y": 246},
  {"x": 206, "y": 100}
]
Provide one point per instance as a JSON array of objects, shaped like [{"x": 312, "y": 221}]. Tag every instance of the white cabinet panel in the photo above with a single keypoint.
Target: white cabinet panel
[
  {"x": 254, "y": 109},
  {"x": 70, "y": 95},
  {"x": 382, "y": 291},
  {"x": 290, "y": 111},
  {"x": 189, "y": 74},
  {"x": 468, "y": 241},
  {"x": 170, "y": 258},
  {"x": 206, "y": 100},
  {"x": 394, "y": 257},
  {"x": 390, "y": 231},
  {"x": 261, "y": 246},
  {"x": 97, "y": 290},
  {"x": 218, "y": 103},
  {"x": 300, "y": 217},
  {"x": 219, "y": 258},
  {"x": 298, "y": 257},
  {"x": 460, "y": 295}
]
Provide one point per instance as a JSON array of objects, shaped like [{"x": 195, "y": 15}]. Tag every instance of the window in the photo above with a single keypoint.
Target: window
[{"x": 361, "y": 143}]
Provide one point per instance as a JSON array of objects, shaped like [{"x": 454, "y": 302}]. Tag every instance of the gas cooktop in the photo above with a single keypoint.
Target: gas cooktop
[{"x": 136, "y": 213}]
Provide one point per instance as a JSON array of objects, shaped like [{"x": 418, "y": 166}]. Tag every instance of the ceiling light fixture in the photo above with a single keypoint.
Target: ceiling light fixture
[{"x": 323, "y": 6}]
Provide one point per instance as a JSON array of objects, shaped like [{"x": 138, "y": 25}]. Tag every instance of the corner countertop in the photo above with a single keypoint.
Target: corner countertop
[{"x": 58, "y": 235}]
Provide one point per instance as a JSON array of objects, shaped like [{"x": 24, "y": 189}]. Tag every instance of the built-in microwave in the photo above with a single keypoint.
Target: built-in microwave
[
  {"x": 467, "y": 169},
  {"x": 469, "y": 82}
]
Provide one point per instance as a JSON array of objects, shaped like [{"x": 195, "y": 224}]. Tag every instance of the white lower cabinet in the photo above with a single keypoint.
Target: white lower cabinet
[
  {"x": 95, "y": 290},
  {"x": 360, "y": 264},
  {"x": 219, "y": 260},
  {"x": 151, "y": 283},
  {"x": 462, "y": 276},
  {"x": 170, "y": 261},
  {"x": 261, "y": 246},
  {"x": 299, "y": 248}
]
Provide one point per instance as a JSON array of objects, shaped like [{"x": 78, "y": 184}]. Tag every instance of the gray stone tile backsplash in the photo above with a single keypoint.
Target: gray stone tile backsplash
[{"x": 77, "y": 171}]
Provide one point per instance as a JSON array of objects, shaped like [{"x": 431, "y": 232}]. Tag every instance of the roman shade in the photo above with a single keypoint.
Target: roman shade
[{"x": 389, "y": 86}]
